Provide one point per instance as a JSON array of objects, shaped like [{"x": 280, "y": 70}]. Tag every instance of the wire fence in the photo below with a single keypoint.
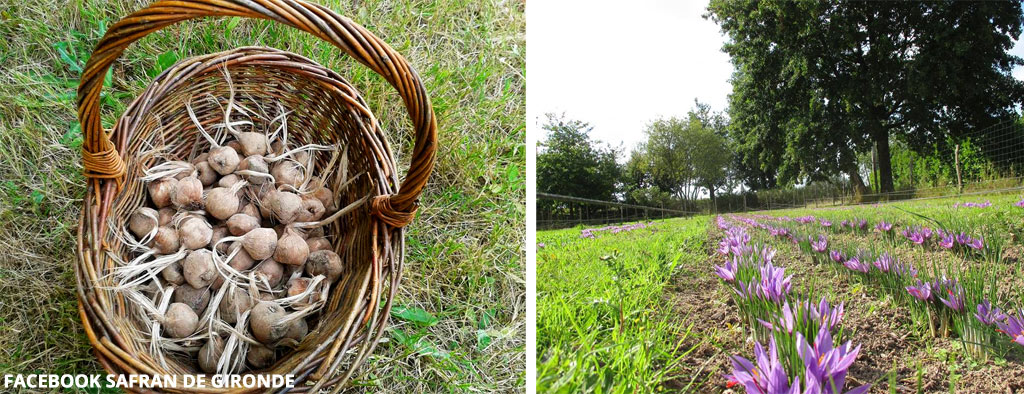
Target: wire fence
[
  {"x": 558, "y": 211},
  {"x": 986, "y": 161}
]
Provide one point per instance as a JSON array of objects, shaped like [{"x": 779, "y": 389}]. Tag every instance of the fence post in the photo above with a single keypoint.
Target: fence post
[{"x": 956, "y": 162}]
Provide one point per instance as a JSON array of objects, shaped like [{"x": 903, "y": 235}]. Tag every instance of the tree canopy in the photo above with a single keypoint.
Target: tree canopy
[
  {"x": 571, "y": 163},
  {"x": 816, "y": 83},
  {"x": 680, "y": 157}
]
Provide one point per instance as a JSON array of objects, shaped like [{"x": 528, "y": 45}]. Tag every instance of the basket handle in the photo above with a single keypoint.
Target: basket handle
[{"x": 102, "y": 162}]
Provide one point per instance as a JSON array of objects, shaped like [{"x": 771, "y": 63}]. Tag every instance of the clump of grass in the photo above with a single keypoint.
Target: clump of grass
[{"x": 600, "y": 323}]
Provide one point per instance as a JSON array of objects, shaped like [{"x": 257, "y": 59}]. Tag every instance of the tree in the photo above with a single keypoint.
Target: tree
[
  {"x": 682, "y": 156},
  {"x": 571, "y": 163},
  {"x": 815, "y": 83}
]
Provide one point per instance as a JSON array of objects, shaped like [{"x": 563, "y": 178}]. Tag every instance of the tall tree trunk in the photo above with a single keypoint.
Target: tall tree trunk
[
  {"x": 711, "y": 193},
  {"x": 884, "y": 159},
  {"x": 859, "y": 189}
]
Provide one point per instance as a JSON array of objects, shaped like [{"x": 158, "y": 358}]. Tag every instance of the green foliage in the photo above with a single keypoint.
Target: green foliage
[
  {"x": 415, "y": 315},
  {"x": 680, "y": 157},
  {"x": 815, "y": 83},
  {"x": 570, "y": 163}
]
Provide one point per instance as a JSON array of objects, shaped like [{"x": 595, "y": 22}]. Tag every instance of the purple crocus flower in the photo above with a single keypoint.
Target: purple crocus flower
[
  {"x": 825, "y": 314},
  {"x": 826, "y": 366},
  {"x": 1014, "y": 327},
  {"x": 904, "y": 269},
  {"x": 826, "y": 223},
  {"x": 861, "y": 223},
  {"x": 988, "y": 314},
  {"x": 976, "y": 243},
  {"x": 1019, "y": 203},
  {"x": 721, "y": 222},
  {"x": 915, "y": 235},
  {"x": 837, "y": 256},
  {"x": 922, "y": 291},
  {"x": 784, "y": 322},
  {"x": 821, "y": 245},
  {"x": 926, "y": 233},
  {"x": 767, "y": 254},
  {"x": 883, "y": 226},
  {"x": 774, "y": 284},
  {"x": 884, "y": 262},
  {"x": 962, "y": 239},
  {"x": 768, "y": 376},
  {"x": 954, "y": 297},
  {"x": 540, "y": 245},
  {"x": 728, "y": 270},
  {"x": 947, "y": 241},
  {"x": 723, "y": 247},
  {"x": 856, "y": 263}
]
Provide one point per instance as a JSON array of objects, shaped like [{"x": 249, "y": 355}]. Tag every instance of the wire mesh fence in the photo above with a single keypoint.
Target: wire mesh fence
[
  {"x": 558, "y": 211},
  {"x": 986, "y": 161}
]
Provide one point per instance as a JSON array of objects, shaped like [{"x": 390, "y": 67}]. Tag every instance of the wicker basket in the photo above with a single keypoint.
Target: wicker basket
[{"x": 327, "y": 110}]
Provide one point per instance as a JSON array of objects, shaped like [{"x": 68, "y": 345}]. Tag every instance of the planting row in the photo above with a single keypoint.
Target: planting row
[
  {"x": 801, "y": 335},
  {"x": 941, "y": 297}
]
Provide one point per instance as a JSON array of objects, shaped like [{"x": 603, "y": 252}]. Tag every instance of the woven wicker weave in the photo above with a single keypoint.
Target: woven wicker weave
[{"x": 327, "y": 111}]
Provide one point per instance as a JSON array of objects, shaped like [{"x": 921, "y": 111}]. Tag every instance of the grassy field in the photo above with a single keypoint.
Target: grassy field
[
  {"x": 601, "y": 325},
  {"x": 688, "y": 321},
  {"x": 463, "y": 290}
]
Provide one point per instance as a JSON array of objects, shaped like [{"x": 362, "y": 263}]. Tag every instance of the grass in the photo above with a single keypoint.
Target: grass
[
  {"x": 600, "y": 324},
  {"x": 459, "y": 324},
  {"x": 642, "y": 311}
]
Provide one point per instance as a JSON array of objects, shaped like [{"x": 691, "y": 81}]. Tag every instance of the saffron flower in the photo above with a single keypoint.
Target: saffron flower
[
  {"x": 954, "y": 297},
  {"x": 824, "y": 314},
  {"x": 728, "y": 270},
  {"x": 976, "y": 243},
  {"x": 926, "y": 233},
  {"x": 904, "y": 269},
  {"x": 784, "y": 322},
  {"x": 884, "y": 262},
  {"x": 774, "y": 285},
  {"x": 915, "y": 235},
  {"x": 856, "y": 263},
  {"x": 826, "y": 223},
  {"x": 821, "y": 245},
  {"x": 767, "y": 254},
  {"x": 768, "y": 376},
  {"x": 923, "y": 290},
  {"x": 883, "y": 226},
  {"x": 826, "y": 366},
  {"x": 1019, "y": 203},
  {"x": 988, "y": 314},
  {"x": 1014, "y": 327},
  {"x": 947, "y": 241},
  {"x": 837, "y": 256},
  {"x": 723, "y": 247}
]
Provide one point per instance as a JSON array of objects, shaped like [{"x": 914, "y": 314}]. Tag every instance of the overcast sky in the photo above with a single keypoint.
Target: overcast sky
[{"x": 618, "y": 67}]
